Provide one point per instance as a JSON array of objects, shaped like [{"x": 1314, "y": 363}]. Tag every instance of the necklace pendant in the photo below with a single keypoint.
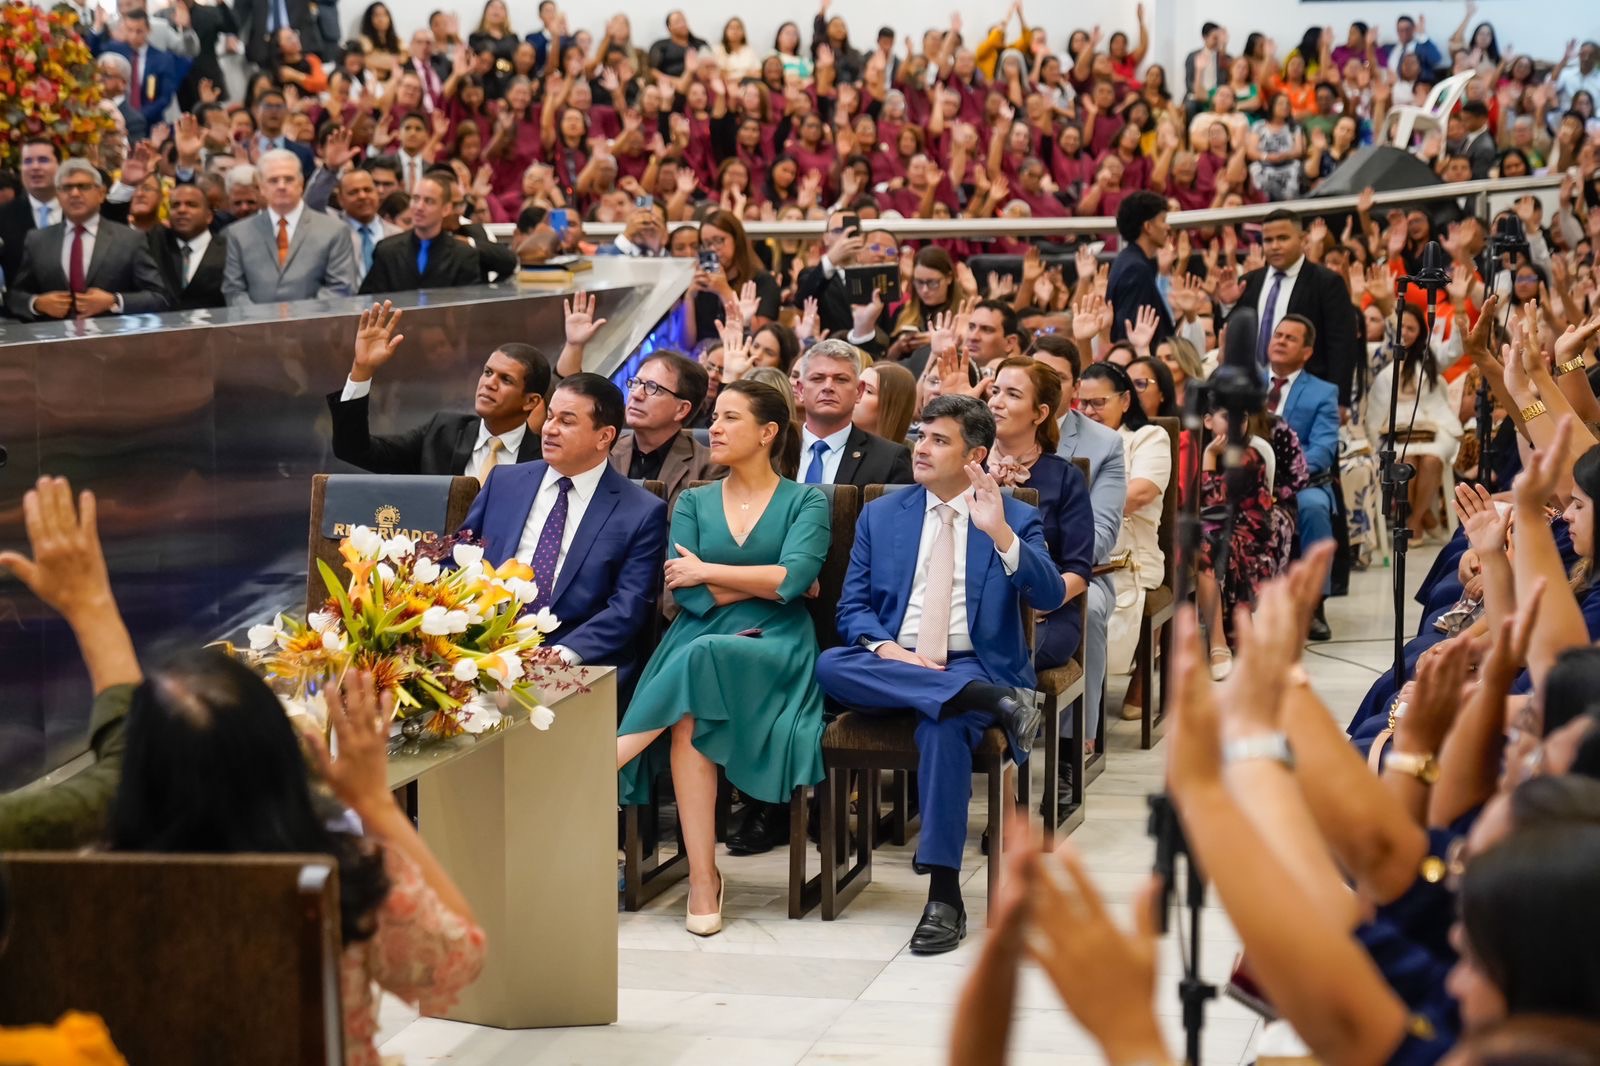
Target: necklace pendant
[{"x": 744, "y": 507}]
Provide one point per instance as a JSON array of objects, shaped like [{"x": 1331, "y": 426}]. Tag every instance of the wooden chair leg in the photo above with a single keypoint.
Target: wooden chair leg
[
  {"x": 828, "y": 802},
  {"x": 999, "y": 788},
  {"x": 1141, "y": 670},
  {"x": 1162, "y": 675},
  {"x": 804, "y": 893},
  {"x": 1079, "y": 731},
  {"x": 1051, "y": 792},
  {"x": 1095, "y": 765}
]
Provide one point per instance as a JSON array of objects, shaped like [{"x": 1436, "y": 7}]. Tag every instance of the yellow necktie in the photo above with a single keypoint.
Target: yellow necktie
[{"x": 491, "y": 460}]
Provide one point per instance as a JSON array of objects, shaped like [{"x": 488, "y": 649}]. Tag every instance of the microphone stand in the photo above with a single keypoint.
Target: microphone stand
[
  {"x": 1239, "y": 391},
  {"x": 1396, "y": 475}
]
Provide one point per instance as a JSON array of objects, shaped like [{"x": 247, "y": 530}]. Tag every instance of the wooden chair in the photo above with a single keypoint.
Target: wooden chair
[
  {"x": 872, "y": 743},
  {"x": 839, "y": 880},
  {"x": 437, "y": 506},
  {"x": 187, "y": 958},
  {"x": 1062, "y": 686},
  {"x": 1158, "y": 603}
]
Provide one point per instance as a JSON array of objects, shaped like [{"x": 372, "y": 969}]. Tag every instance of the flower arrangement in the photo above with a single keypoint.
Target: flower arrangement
[
  {"x": 452, "y": 643},
  {"x": 48, "y": 86}
]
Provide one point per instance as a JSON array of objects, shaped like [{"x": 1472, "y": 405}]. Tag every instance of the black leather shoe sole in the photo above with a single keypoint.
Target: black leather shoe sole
[{"x": 941, "y": 929}]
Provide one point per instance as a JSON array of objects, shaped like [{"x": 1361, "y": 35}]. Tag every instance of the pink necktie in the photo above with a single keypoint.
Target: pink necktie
[{"x": 933, "y": 633}]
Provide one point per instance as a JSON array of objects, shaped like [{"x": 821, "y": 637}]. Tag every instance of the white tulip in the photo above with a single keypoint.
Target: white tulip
[
  {"x": 546, "y": 620},
  {"x": 333, "y": 641},
  {"x": 480, "y": 716},
  {"x": 386, "y": 573},
  {"x": 425, "y": 571},
  {"x": 435, "y": 622},
  {"x": 467, "y": 555},
  {"x": 525, "y": 591},
  {"x": 322, "y": 621},
  {"x": 367, "y": 544},
  {"x": 465, "y": 670},
  {"x": 504, "y": 666},
  {"x": 541, "y": 717},
  {"x": 396, "y": 548}
]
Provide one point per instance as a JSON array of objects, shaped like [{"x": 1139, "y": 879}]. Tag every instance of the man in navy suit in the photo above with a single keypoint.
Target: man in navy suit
[
  {"x": 931, "y": 569},
  {"x": 1311, "y": 407},
  {"x": 595, "y": 540},
  {"x": 155, "y": 74}
]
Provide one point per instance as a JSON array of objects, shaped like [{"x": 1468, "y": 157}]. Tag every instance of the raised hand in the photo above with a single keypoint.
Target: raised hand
[
  {"x": 735, "y": 350},
  {"x": 376, "y": 339},
  {"x": 986, "y": 506},
  {"x": 810, "y": 318},
  {"x": 749, "y": 301},
  {"x": 578, "y": 313},
  {"x": 360, "y": 720},
  {"x": 189, "y": 140},
  {"x": 1485, "y": 526},
  {"x": 1087, "y": 317},
  {"x": 68, "y": 568},
  {"x": 1142, "y": 330}
]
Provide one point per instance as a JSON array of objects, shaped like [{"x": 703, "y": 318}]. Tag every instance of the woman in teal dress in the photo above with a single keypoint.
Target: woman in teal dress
[{"x": 733, "y": 680}]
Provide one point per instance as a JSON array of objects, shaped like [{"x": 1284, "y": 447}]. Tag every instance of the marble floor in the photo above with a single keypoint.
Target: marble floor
[{"x": 771, "y": 992}]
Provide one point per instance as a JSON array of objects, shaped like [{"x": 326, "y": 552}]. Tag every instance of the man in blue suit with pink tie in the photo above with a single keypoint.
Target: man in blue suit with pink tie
[
  {"x": 596, "y": 541},
  {"x": 931, "y": 621}
]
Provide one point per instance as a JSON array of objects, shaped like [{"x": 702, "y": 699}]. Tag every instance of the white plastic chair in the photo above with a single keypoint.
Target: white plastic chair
[{"x": 1404, "y": 122}]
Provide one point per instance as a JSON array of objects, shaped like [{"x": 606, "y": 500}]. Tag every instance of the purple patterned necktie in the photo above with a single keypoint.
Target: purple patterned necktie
[
  {"x": 1265, "y": 338},
  {"x": 549, "y": 548}
]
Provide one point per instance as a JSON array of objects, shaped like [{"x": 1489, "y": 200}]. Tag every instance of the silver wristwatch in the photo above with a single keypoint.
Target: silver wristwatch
[{"x": 1274, "y": 746}]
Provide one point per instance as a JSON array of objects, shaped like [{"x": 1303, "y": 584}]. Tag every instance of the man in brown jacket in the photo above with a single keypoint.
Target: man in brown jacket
[{"x": 663, "y": 396}]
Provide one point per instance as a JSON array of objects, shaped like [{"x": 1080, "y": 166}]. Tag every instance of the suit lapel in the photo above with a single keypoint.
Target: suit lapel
[
  {"x": 675, "y": 464},
  {"x": 855, "y": 448},
  {"x": 508, "y": 531},
  {"x": 296, "y": 239},
  {"x": 102, "y": 238},
  {"x": 466, "y": 441},
  {"x": 55, "y": 243},
  {"x": 980, "y": 554},
  {"x": 907, "y": 537},
  {"x": 606, "y": 494}
]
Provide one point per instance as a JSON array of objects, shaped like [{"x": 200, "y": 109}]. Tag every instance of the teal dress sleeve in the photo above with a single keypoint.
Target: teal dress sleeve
[
  {"x": 805, "y": 545},
  {"x": 686, "y": 531}
]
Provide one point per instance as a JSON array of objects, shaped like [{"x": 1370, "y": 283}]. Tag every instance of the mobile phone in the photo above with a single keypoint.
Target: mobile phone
[
  {"x": 850, "y": 223},
  {"x": 709, "y": 262},
  {"x": 644, "y": 203},
  {"x": 558, "y": 219}
]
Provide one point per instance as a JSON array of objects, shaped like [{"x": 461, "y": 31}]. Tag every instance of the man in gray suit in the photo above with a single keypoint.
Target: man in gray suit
[
  {"x": 1084, "y": 438},
  {"x": 287, "y": 252},
  {"x": 85, "y": 265}
]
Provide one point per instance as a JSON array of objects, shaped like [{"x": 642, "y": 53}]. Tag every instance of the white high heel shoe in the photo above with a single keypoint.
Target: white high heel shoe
[
  {"x": 1221, "y": 664},
  {"x": 706, "y": 924}
]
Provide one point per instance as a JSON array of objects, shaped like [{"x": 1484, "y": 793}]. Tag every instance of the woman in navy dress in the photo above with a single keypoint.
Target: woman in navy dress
[{"x": 1025, "y": 402}]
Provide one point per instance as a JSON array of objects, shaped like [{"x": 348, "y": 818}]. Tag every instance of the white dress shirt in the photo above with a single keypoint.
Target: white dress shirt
[
  {"x": 412, "y": 167},
  {"x": 293, "y": 218},
  {"x": 511, "y": 440},
  {"x": 197, "y": 249},
  {"x": 830, "y": 458},
  {"x": 91, "y": 229},
  {"x": 960, "y": 634},
  {"x": 544, "y": 501},
  {"x": 1285, "y": 290},
  {"x": 1288, "y": 387}
]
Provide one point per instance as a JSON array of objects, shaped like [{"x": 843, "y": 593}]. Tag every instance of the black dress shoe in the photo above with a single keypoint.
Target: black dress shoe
[
  {"x": 765, "y": 827},
  {"x": 940, "y": 930},
  {"x": 1020, "y": 716},
  {"x": 1064, "y": 804}
]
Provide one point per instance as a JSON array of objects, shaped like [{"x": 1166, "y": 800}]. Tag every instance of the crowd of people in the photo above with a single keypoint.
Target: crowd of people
[{"x": 860, "y": 359}]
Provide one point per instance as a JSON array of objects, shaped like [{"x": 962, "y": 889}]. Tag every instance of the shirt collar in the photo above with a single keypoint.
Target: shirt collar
[
  {"x": 1288, "y": 382},
  {"x": 511, "y": 438},
  {"x": 91, "y": 225},
  {"x": 958, "y": 505},
  {"x": 835, "y": 441},
  {"x": 34, "y": 205},
  {"x": 583, "y": 484},
  {"x": 292, "y": 216},
  {"x": 199, "y": 241},
  {"x": 1293, "y": 271}
]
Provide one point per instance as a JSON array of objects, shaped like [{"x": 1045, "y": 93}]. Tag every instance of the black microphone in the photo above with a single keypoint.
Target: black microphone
[
  {"x": 1239, "y": 346},
  {"x": 1433, "y": 275}
]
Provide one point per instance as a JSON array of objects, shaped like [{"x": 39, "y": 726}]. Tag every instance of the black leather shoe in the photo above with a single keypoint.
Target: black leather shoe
[
  {"x": 940, "y": 930},
  {"x": 1021, "y": 716},
  {"x": 766, "y": 825},
  {"x": 1064, "y": 804}
]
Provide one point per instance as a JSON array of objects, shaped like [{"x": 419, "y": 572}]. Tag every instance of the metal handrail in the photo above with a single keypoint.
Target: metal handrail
[{"x": 924, "y": 228}]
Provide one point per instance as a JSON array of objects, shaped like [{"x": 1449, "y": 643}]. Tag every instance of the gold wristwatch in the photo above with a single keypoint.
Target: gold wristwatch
[
  {"x": 1424, "y": 768},
  {"x": 1533, "y": 410},
  {"x": 1568, "y": 367}
]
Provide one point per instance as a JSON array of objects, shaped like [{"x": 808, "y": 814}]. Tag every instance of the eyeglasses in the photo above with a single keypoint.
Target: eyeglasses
[
  {"x": 929, "y": 283},
  {"x": 651, "y": 388},
  {"x": 1096, "y": 403},
  {"x": 1140, "y": 384},
  {"x": 77, "y": 186}
]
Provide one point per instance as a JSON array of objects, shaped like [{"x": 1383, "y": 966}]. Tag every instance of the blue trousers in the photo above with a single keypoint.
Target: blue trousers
[
  {"x": 861, "y": 680},
  {"x": 1315, "y": 506}
]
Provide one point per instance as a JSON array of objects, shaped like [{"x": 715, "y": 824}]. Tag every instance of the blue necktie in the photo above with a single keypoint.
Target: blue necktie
[
  {"x": 422, "y": 261},
  {"x": 44, "y": 215},
  {"x": 548, "y": 550},
  {"x": 1265, "y": 337},
  {"x": 814, "y": 472},
  {"x": 366, "y": 250}
]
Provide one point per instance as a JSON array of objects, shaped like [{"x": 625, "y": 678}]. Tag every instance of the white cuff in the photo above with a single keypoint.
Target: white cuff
[
  {"x": 568, "y": 656},
  {"x": 119, "y": 193},
  {"x": 355, "y": 390},
  {"x": 874, "y": 645},
  {"x": 828, "y": 267},
  {"x": 859, "y": 339},
  {"x": 1011, "y": 558}
]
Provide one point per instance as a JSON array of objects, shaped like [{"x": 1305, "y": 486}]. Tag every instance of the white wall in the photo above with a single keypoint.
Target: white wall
[{"x": 1541, "y": 29}]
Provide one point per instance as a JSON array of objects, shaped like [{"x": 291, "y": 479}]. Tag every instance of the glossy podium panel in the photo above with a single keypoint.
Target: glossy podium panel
[{"x": 199, "y": 433}]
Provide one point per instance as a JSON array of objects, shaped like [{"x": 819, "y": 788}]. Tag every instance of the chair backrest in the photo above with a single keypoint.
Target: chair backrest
[
  {"x": 1167, "y": 532},
  {"x": 1402, "y": 123},
  {"x": 652, "y": 631},
  {"x": 188, "y": 958},
  {"x": 420, "y": 506},
  {"x": 844, "y": 506},
  {"x": 703, "y": 436}
]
